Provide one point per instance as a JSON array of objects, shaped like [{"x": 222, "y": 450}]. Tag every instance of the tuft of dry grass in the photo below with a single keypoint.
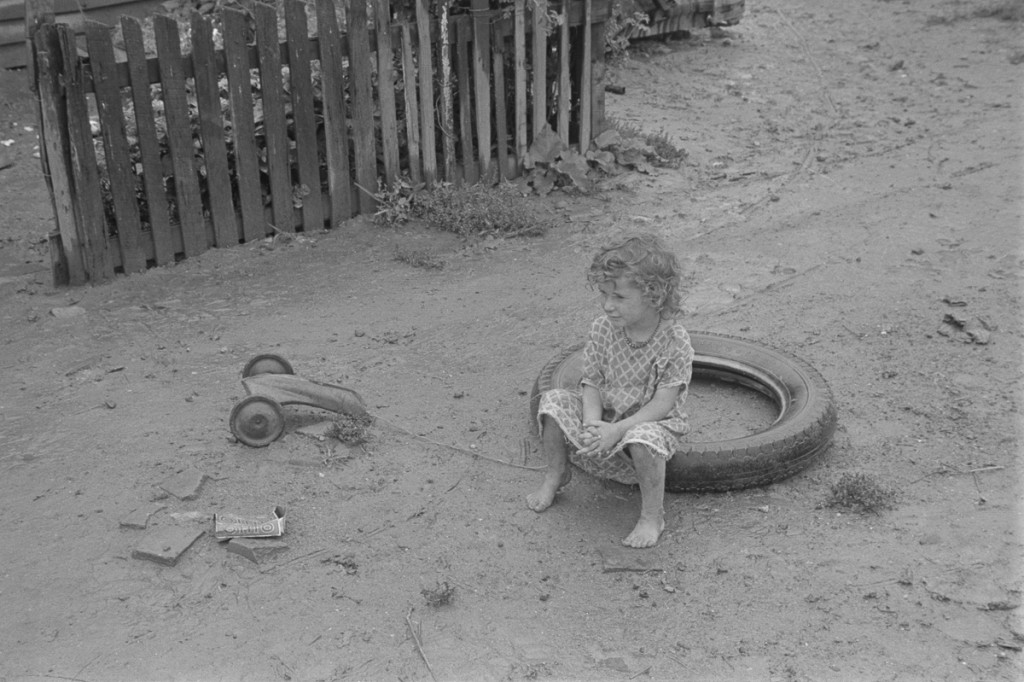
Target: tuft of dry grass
[
  {"x": 862, "y": 493},
  {"x": 351, "y": 429}
]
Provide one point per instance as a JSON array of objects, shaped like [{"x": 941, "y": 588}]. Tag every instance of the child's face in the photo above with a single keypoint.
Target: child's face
[{"x": 625, "y": 305}]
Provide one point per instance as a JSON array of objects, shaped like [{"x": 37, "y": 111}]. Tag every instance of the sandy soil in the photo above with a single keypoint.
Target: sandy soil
[{"x": 854, "y": 178}]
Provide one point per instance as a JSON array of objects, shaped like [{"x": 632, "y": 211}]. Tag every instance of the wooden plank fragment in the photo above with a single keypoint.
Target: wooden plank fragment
[
  {"x": 247, "y": 170},
  {"x": 465, "y": 87},
  {"x": 540, "y": 66},
  {"x": 586, "y": 87},
  {"x": 275, "y": 130},
  {"x": 426, "y": 72},
  {"x": 500, "y": 104},
  {"x": 363, "y": 135},
  {"x": 409, "y": 87},
  {"x": 179, "y": 136},
  {"x": 481, "y": 82},
  {"x": 211, "y": 127},
  {"x": 115, "y": 146},
  {"x": 91, "y": 225},
  {"x": 53, "y": 113},
  {"x": 564, "y": 81},
  {"x": 519, "y": 41},
  {"x": 386, "y": 92},
  {"x": 332, "y": 79},
  {"x": 166, "y": 240},
  {"x": 307, "y": 152}
]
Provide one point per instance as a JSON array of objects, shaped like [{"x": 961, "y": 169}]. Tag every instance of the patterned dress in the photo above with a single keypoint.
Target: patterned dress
[{"x": 627, "y": 379}]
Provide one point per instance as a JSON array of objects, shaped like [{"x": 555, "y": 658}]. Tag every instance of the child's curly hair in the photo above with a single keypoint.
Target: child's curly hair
[{"x": 647, "y": 264}]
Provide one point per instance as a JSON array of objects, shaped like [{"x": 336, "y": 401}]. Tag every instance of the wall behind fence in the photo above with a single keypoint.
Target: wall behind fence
[{"x": 163, "y": 142}]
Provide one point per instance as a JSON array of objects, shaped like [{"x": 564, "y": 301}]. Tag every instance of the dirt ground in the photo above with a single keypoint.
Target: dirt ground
[{"x": 854, "y": 182}]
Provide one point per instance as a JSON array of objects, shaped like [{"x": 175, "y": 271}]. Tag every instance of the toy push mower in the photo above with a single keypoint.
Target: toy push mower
[{"x": 270, "y": 382}]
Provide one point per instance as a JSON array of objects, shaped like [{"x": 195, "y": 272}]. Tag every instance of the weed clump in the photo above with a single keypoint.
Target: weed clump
[
  {"x": 439, "y": 595},
  {"x": 657, "y": 148},
  {"x": 351, "y": 429},
  {"x": 419, "y": 259},
  {"x": 480, "y": 211},
  {"x": 861, "y": 493}
]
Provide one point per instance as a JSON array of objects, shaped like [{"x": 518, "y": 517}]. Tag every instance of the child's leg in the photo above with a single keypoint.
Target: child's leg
[
  {"x": 558, "y": 473},
  {"x": 650, "y": 473}
]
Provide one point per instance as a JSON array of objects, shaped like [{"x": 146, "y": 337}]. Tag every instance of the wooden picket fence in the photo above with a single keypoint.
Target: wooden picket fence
[{"x": 152, "y": 159}]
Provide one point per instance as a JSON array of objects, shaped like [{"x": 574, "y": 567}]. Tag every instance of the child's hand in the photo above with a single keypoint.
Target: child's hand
[{"x": 599, "y": 436}]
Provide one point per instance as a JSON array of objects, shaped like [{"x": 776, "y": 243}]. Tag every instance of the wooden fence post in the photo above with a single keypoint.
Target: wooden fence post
[
  {"x": 587, "y": 86},
  {"x": 53, "y": 132},
  {"x": 179, "y": 136},
  {"x": 386, "y": 92},
  {"x": 540, "y": 68},
  {"x": 115, "y": 145},
  {"x": 339, "y": 171},
  {"x": 481, "y": 84},
  {"x": 564, "y": 81},
  {"x": 412, "y": 109},
  {"x": 215, "y": 153},
  {"x": 598, "y": 68},
  {"x": 90, "y": 222},
  {"x": 519, "y": 43},
  {"x": 426, "y": 78},
  {"x": 275, "y": 127},
  {"x": 300, "y": 79},
  {"x": 149, "y": 144},
  {"x": 363, "y": 137}
]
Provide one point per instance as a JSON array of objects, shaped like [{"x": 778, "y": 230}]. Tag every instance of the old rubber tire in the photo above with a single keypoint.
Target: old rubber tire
[
  {"x": 267, "y": 363},
  {"x": 800, "y": 434},
  {"x": 257, "y": 421}
]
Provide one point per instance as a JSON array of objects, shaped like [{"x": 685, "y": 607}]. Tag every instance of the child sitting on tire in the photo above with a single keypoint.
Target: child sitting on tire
[{"x": 624, "y": 421}]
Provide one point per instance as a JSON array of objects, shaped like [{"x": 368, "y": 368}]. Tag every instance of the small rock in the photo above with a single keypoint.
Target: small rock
[{"x": 69, "y": 311}]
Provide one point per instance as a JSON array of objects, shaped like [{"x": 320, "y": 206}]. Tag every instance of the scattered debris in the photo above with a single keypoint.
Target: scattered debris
[
  {"x": 166, "y": 545},
  {"x": 439, "y": 595},
  {"x": 967, "y": 329},
  {"x": 228, "y": 526},
  {"x": 348, "y": 562}
]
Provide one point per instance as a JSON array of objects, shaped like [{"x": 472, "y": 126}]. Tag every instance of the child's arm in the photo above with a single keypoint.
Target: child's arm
[
  {"x": 656, "y": 410},
  {"x": 607, "y": 434},
  {"x": 592, "y": 410}
]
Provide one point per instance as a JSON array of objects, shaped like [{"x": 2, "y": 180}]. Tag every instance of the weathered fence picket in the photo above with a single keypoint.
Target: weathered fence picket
[{"x": 156, "y": 157}]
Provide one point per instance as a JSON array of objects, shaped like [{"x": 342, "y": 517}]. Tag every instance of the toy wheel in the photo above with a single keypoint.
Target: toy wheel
[
  {"x": 257, "y": 421},
  {"x": 267, "y": 363}
]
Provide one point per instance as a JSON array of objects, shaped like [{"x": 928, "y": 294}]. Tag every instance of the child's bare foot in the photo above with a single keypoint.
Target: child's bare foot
[
  {"x": 646, "y": 533},
  {"x": 545, "y": 495}
]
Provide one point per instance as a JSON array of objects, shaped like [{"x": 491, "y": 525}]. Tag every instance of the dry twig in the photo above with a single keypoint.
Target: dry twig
[{"x": 414, "y": 631}]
